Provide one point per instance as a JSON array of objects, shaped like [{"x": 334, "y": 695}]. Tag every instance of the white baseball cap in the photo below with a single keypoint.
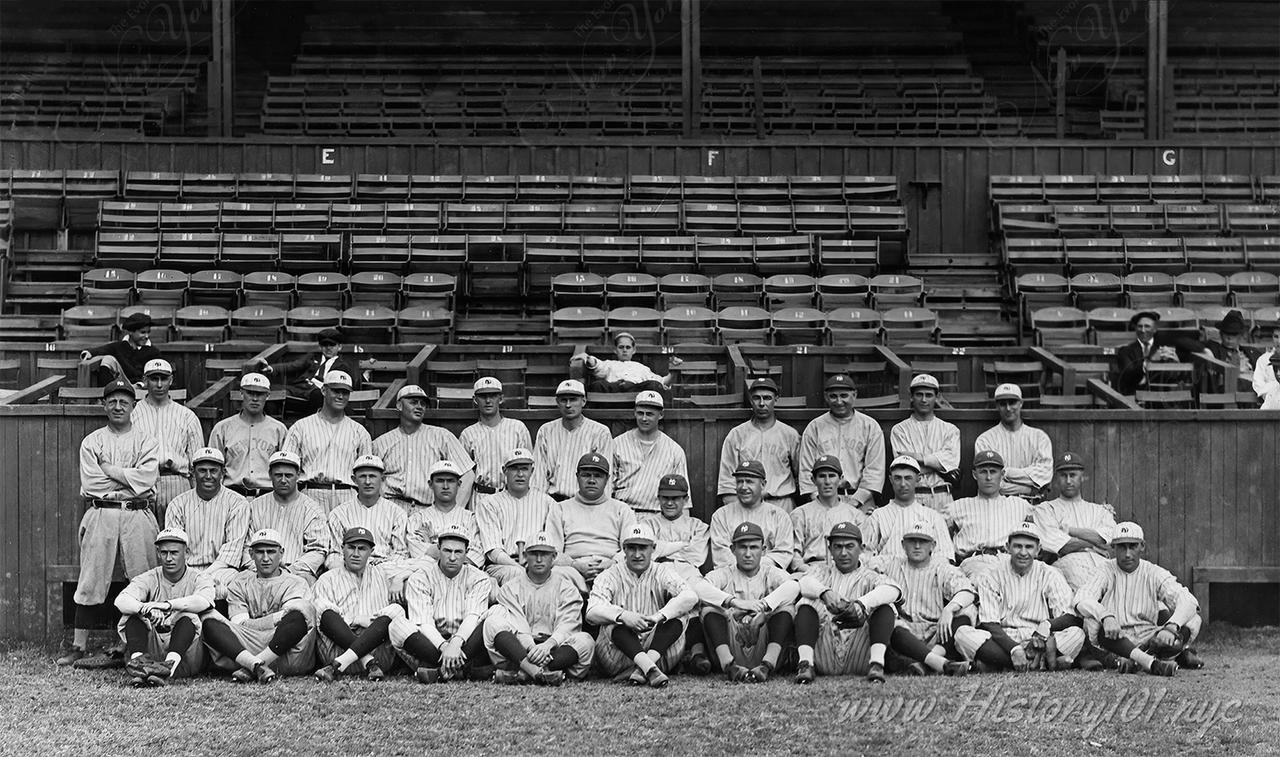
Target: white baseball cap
[
  {"x": 266, "y": 536},
  {"x": 368, "y": 461},
  {"x": 255, "y": 382},
  {"x": 649, "y": 398},
  {"x": 453, "y": 531},
  {"x": 1128, "y": 531},
  {"x": 919, "y": 530},
  {"x": 1027, "y": 528},
  {"x": 338, "y": 379},
  {"x": 285, "y": 458},
  {"x": 486, "y": 385},
  {"x": 172, "y": 534},
  {"x": 905, "y": 461},
  {"x": 1008, "y": 391},
  {"x": 571, "y": 386},
  {"x": 410, "y": 390},
  {"x": 208, "y": 455},
  {"x": 639, "y": 534},
  {"x": 518, "y": 455},
  {"x": 445, "y": 466},
  {"x": 540, "y": 543},
  {"x": 158, "y": 365},
  {"x": 926, "y": 381}
]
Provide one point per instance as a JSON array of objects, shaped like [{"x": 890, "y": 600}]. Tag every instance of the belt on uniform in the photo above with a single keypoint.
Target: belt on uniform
[
  {"x": 939, "y": 489},
  {"x": 811, "y": 560},
  {"x": 313, "y": 485},
  {"x": 483, "y": 488},
  {"x": 246, "y": 491},
  {"x": 410, "y": 500},
  {"x": 846, "y": 489},
  {"x": 117, "y": 504},
  {"x": 988, "y": 551},
  {"x": 558, "y": 497}
]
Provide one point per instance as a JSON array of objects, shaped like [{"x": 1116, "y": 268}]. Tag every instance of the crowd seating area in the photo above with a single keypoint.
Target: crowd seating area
[{"x": 1210, "y": 96}]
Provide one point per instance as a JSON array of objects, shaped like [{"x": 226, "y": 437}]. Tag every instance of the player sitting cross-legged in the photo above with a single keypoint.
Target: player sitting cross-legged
[{"x": 356, "y": 611}]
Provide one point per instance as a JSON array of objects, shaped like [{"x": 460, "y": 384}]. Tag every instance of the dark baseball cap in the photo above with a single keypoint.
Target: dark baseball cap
[
  {"x": 593, "y": 461},
  {"x": 118, "y": 386},
  {"x": 828, "y": 462},
  {"x": 673, "y": 485},
  {"x": 838, "y": 381},
  {"x": 845, "y": 530},
  {"x": 988, "y": 457},
  {"x": 750, "y": 469},
  {"x": 1069, "y": 461},
  {"x": 358, "y": 533},
  {"x": 763, "y": 382},
  {"x": 747, "y": 530}
]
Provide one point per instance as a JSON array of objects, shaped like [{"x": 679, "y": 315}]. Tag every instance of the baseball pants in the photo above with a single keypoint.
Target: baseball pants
[
  {"x": 992, "y": 644},
  {"x": 221, "y": 578},
  {"x": 1079, "y": 567},
  {"x": 747, "y": 645},
  {"x": 179, "y": 632},
  {"x": 936, "y": 501},
  {"x": 169, "y": 486},
  {"x": 108, "y": 534},
  {"x": 1143, "y": 637},
  {"x": 292, "y": 639},
  {"x": 502, "y": 627},
  {"x": 975, "y": 565},
  {"x": 840, "y": 651},
  {"x": 418, "y": 651},
  {"x": 336, "y": 635},
  {"x": 617, "y": 645}
]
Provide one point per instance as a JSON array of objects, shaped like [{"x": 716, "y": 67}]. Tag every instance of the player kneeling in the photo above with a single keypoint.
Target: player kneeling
[
  {"x": 356, "y": 611},
  {"x": 1127, "y": 597},
  {"x": 536, "y": 624},
  {"x": 840, "y": 598},
  {"x": 160, "y": 615},
  {"x": 761, "y": 596},
  {"x": 271, "y": 628},
  {"x": 640, "y": 607}
]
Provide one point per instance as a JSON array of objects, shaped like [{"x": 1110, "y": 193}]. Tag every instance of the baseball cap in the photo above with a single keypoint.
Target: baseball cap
[
  {"x": 329, "y": 335},
  {"x": 448, "y": 467},
  {"x": 172, "y": 534},
  {"x": 285, "y": 458},
  {"x": 1007, "y": 391},
  {"x": 540, "y": 543},
  {"x": 763, "y": 382},
  {"x": 649, "y": 398},
  {"x": 255, "y": 382},
  {"x": 903, "y": 461},
  {"x": 845, "y": 530},
  {"x": 750, "y": 469},
  {"x": 828, "y": 462},
  {"x": 266, "y": 536},
  {"x": 518, "y": 455},
  {"x": 358, "y": 533},
  {"x": 208, "y": 455},
  {"x": 368, "y": 461},
  {"x": 919, "y": 530},
  {"x": 571, "y": 386},
  {"x": 1127, "y": 532},
  {"x": 639, "y": 534},
  {"x": 838, "y": 381},
  {"x": 453, "y": 531},
  {"x": 593, "y": 461},
  {"x": 118, "y": 386},
  {"x": 926, "y": 381},
  {"x": 673, "y": 485},
  {"x": 1069, "y": 461},
  {"x": 338, "y": 379},
  {"x": 158, "y": 365},
  {"x": 410, "y": 390},
  {"x": 747, "y": 530},
  {"x": 988, "y": 457},
  {"x": 1026, "y": 528},
  {"x": 486, "y": 385}
]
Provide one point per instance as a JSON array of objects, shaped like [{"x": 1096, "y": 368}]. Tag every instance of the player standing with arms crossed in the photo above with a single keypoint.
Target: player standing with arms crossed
[
  {"x": 560, "y": 443},
  {"x": 174, "y": 427},
  {"x": 297, "y": 518},
  {"x": 326, "y": 443},
  {"x": 411, "y": 450},
  {"x": 644, "y": 455},
  {"x": 766, "y": 439},
  {"x": 1076, "y": 530},
  {"x": 853, "y": 438},
  {"x": 884, "y": 528}
]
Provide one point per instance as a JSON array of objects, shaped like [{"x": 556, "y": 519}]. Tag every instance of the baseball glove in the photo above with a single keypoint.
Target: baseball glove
[{"x": 854, "y": 617}]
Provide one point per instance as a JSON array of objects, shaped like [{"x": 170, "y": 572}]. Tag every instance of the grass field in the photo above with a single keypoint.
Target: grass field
[{"x": 1229, "y": 708}]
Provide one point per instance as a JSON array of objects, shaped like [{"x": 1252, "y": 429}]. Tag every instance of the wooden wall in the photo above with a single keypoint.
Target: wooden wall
[{"x": 1203, "y": 485}]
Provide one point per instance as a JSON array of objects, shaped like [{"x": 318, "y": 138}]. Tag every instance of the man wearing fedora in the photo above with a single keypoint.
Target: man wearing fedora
[
  {"x": 304, "y": 378},
  {"x": 1229, "y": 348},
  {"x": 127, "y": 357}
]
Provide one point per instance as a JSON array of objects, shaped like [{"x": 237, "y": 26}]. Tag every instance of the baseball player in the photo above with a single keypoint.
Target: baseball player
[
  {"x": 644, "y": 455},
  {"x": 559, "y": 444},
  {"x": 884, "y": 528},
  {"x": 1076, "y": 530},
  {"x": 426, "y": 523},
  {"x": 536, "y": 623},
  {"x": 748, "y": 643},
  {"x": 982, "y": 523},
  {"x": 491, "y": 438},
  {"x": 298, "y": 519},
  {"x": 1124, "y": 606},
  {"x": 174, "y": 426},
  {"x": 845, "y": 620},
  {"x": 249, "y": 438},
  {"x": 931, "y": 441},
  {"x": 214, "y": 519},
  {"x": 508, "y": 520},
  {"x": 779, "y": 534},
  {"x": 446, "y": 600},
  {"x": 356, "y": 612},
  {"x": 269, "y": 629},
  {"x": 327, "y": 442},
  {"x": 385, "y": 519},
  {"x": 125, "y": 360},
  {"x": 412, "y": 449},
  {"x": 934, "y": 599},
  {"x": 587, "y": 529},
  {"x": 1019, "y": 599},
  {"x": 683, "y": 540},
  {"x": 119, "y": 466},
  {"x": 160, "y": 615},
  {"x": 1026, "y": 451},
  {"x": 639, "y": 606},
  {"x": 851, "y": 437},
  {"x": 813, "y": 520},
  {"x": 766, "y": 439}
]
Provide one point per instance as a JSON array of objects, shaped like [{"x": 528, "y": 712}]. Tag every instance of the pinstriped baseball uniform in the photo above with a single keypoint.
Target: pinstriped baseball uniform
[
  {"x": 638, "y": 466},
  {"x": 1056, "y": 516},
  {"x": 840, "y": 651},
  {"x": 1135, "y": 599},
  {"x": 409, "y": 457},
  {"x": 779, "y": 534},
  {"x": 769, "y": 583},
  {"x": 152, "y": 586},
  {"x": 882, "y": 532},
  {"x": 328, "y": 448},
  {"x": 857, "y": 442},
  {"x": 302, "y": 527},
  {"x": 215, "y": 528},
  {"x": 983, "y": 523},
  {"x": 506, "y": 522},
  {"x": 552, "y": 608},
  {"x": 682, "y": 543},
  {"x": 488, "y": 447},
  {"x": 358, "y": 599},
  {"x": 581, "y": 530},
  {"x": 178, "y": 432},
  {"x": 384, "y": 519},
  {"x": 926, "y": 590},
  {"x": 1027, "y": 454},
  {"x": 247, "y": 447},
  {"x": 259, "y": 598},
  {"x": 813, "y": 521},
  {"x": 1021, "y": 603},
  {"x": 432, "y": 520},
  {"x": 932, "y": 437},
  {"x": 618, "y": 588},
  {"x": 442, "y": 602},
  {"x": 777, "y": 448},
  {"x": 556, "y": 452}
]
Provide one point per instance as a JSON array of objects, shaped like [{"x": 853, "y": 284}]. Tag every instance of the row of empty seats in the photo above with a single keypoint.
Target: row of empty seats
[
  {"x": 1244, "y": 289},
  {"x": 1135, "y": 188},
  {"x": 1109, "y": 326},
  {"x": 1064, "y": 220},
  {"x": 1142, "y": 254}
]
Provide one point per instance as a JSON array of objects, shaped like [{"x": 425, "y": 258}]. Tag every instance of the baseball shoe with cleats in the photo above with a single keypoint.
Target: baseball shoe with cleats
[
  {"x": 917, "y": 669},
  {"x": 875, "y": 673},
  {"x": 241, "y": 676},
  {"x": 1188, "y": 659},
  {"x": 480, "y": 672},
  {"x": 1127, "y": 667},
  {"x": 328, "y": 674},
  {"x": 427, "y": 675},
  {"x": 1019, "y": 658},
  {"x": 955, "y": 668},
  {"x": 804, "y": 672},
  {"x": 656, "y": 678},
  {"x": 549, "y": 677},
  {"x": 735, "y": 673},
  {"x": 699, "y": 664},
  {"x": 265, "y": 674},
  {"x": 374, "y": 672},
  {"x": 70, "y": 657},
  {"x": 626, "y": 675},
  {"x": 760, "y": 673},
  {"x": 108, "y": 660},
  {"x": 638, "y": 678},
  {"x": 1163, "y": 667},
  {"x": 510, "y": 677}
]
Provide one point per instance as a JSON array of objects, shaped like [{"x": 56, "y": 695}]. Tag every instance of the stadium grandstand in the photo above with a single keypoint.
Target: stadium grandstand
[{"x": 986, "y": 192}]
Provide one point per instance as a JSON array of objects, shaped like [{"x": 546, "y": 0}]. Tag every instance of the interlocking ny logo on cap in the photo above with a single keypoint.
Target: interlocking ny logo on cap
[
  {"x": 669, "y": 480},
  {"x": 1067, "y": 457},
  {"x": 743, "y": 528}
]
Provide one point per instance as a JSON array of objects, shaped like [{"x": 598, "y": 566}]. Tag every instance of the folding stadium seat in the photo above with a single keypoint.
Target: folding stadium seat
[
  {"x": 684, "y": 289},
  {"x": 701, "y": 377},
  {"x": 1197, "y": 289},
  {"x": 789, "y": 290},
  {"x": 669, "y": 254},
  {"x": 1144, "y": 291},
  {"x": 1070, "y": 189},
  {"x": 305, "y": 321},
  {"x": 161, "y": 319},
  {"x": 1055, "y": 326},
  {"x": 1082, "y": 220},
  {"x": 853, "y": 326},
  {"x": 540, "y": 188},
  {"x": 1041, "y": 290},
  {"x": 438, "y": 253},
  {"x": 534, "y": 217},
  {"x": 821, "y": 220},
  {"x": 369, "y": 324},
  {"x": 848, "y": 256},
  {"x": 297, "y": 216},
  {"x": 357, "y": 217},
  {"x": 651, "y": 218},
  {"x": 188, "y": 251},
  {"x": 209, "y": 186},
  {"x": 129, "y": 214},
  {"x": 266, "y": 186},
  {"x": 90, "y": 323},
  {"x": 189, "y": 216},
  {"x": 689, "y": 324},
  {"x": 1176, "y": 189},
  {"x": 1182, "y": 219},
  {"x": 133, "y": 250},
  {"x": 896, "y": 290},
  {"x": 249, "y": 252},
  {"x": 37, "y": 197},
  {"x": 765, "y": 190},
  {"x": 164, "y": 287},
  {"x": 257, "y": 323},
  {"x": 765, "y": 219},
  {"x": 578, "y": 324},
  {"x": 485, "y": 188},
  {"x": 475, "y": 217},
  {"x": 876, "y": 189},
  {"x": 1265, "y": 320},
  {"x": 609, "y": 255},
  {"x": 590, "y": 217},
  {"x": 1263, "y": 253},
  {"x": 578, "y": 289},
  {"x": 1026, "y": 221},
  {"x": 214, "y": 287},
  {"x": 301, "y": 252},
  {"x": 1254, "y": 289},
  {"x": 887, "y": 223},
  {"x": 201, "y": 323},
  {"x": 323, "y": 188},
  {"x": 322, "y": 289},
  {"x": 413, "y": 217},
  {"x": 710, "y": 218},
  {"x": 913, "y": 324},
  {"x": 376, "y": 252},
  {"x": 714, "y": 189},
  {"x": 790, "y": 254},
  {"x": 433, "y": 290},
  {"x": 382, "y": 187},
  {"x": 654, "y": 189},
  {"x": 817, "y": 189},
  {"x": 424, "y": 324},
  {"x": 643, "y": 323},
  {"x": 631, "y": 290},
  {"x": 1157, "y": 254},
  {"x": 598, "y": 189},
  {"x": 798, "y": 325},
  {"x": 1110, "y": 326},
  {"x": 1217, "y": 254},
  {"x": 1228, "y": 189},
  {"x": 718, "y": 255},
  {"x": 1100, "y": 255},
  {"x": 739, "y": 324},
  {"x": 247, "y": 216},
  {"x": 83, "y": 192},
  {"x": 1252, "y": 220},
  {"x": 145, "y": 185},
  {"x": 375, "y": 288},
  {"x": 547, "y": 257},
  {"x": 512, "y": 374},
  {"x": 741, "y": 289},
  {"x": 1124, "y": 189},
  {"x": 436, "y": 188},
  {"x": 1016, "y": 189}
]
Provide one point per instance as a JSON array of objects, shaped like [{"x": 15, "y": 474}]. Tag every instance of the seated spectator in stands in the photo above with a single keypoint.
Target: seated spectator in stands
[
  {"x": 303, "y": 378},
  {"x": 1265, "y": 384},
  {"x": 1229, "y": 348},
  {"x": 1149, "y": 347},
  {"x": 624, "y": 374},
  {"x": 127, "y": 357}
]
